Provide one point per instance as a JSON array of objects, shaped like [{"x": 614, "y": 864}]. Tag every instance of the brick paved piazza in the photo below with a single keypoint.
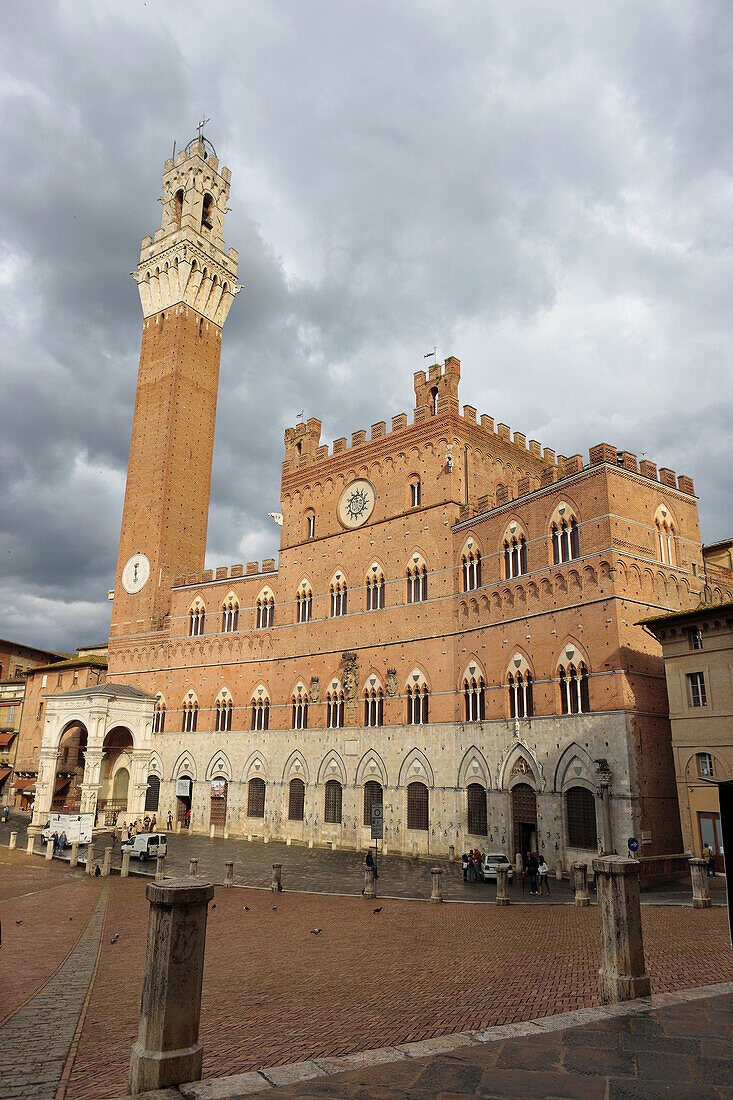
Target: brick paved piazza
[{"x": 274, "y": 993}]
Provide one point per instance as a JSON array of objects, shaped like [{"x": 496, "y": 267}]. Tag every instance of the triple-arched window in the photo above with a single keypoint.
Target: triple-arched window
[
  {"x": 300, "y": 711},
  {"x": 229, "y": 615},
  {"x": 665, "y": 535},
  {"x": 521, "y": 701},
  {"x": 374, "y": 706},
  {"x": 338, "y": 598},
  {"x": 515, "y": 556},
  {"x": 471, "y": 570},
  {"x": 375, "y": 590},
  {"x": 265, "y": 612},
  {"x": 417, "y": 704},
  {"x": 474, "y": 697},
  {"x": 196, "y": 620},
  {"x": 574, "y": 697},
  {"x": 304, "y": 605},
  {"x": 189, "y": 717},
  {"x": 159, "y": 717},
  {"x": 565, "y": 541},
  {"x": 260, "y": 712},
  {"x": 334, "y": 708},
  {"x": 223, "y": 719},
  {"x": 417, "y": 583}
]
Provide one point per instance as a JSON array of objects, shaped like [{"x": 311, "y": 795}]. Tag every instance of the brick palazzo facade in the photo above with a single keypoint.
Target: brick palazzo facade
[{"x": 449, "y": 629}]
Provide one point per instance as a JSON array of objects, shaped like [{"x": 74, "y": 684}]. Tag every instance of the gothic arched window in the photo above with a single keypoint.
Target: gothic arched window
[
  {"x": 417, "y": 704},
  {"x": 300, "y": 711},
  {"x": 338, "y": 598},
  {"x": 574, "y": 695},
  {"x": 256, "y": 797},
  {"x": 474, "y": 694},
  {"x": 373, "y": 796},
  {"x": 521, "y": 701},
  {"x": 296, "y": 800},
  {"x": 417, "y": 806},
  {"x": 260, "y": 712},
  {"x": 580, "y": 806},
  {"x": 471, "y": 570},
  {"x": 374, "y": 707},
  {"x": 477, "y": 817},
  {"x": 304, "y": 605},
  {"x": 265, "y": 612},
  {"x": 229, "y": 615},
  {"x": 332, "y": 802},
  {"x": 196, "y": 620},
  {"x": 159, "y": 717},
  {"x": 334, "y": 709}
]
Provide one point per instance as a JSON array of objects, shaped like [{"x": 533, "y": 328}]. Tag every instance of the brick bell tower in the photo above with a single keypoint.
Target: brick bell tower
[{"x": 187, "y": 282}]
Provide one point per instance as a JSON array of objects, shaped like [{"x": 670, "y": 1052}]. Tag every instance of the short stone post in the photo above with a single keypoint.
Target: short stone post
[
  {"x": 13, "y": 840},
  {"x": 558, "y": 870},
  {"x": 178, "y": 826},
  {"x": 502, "y": 884},
  {"x": 159, "y": 868},
  {"x": 212, "y": 830},
  {"x": 229, "y": 873},
  {"x": 518, "y": 863},
  {"x": 451, "y": 853},
  {"x": 193, "y": 868},
  {"x": 167, "y": 1051},
  {"x": 74, "y": 857},
  {"x": 107, "y": 862},
  {"x": 580, "y": 882},
  {"x": 49, "y": 849},
  {"x": 90, "y": 859},
  {"x": 125, "y": 868},
  {"x": 370, "y": 883},
  {"x": 276, "y": 885},
  {"x": 30, "y": 846},
  {"x": 436, "y": 876},
  {"x": 622, "y": 976},
  {"x": 699, "y": 880}
]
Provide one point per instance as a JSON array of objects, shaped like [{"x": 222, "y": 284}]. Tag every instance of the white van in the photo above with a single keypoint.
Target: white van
[{"x": 146, "y": 846}]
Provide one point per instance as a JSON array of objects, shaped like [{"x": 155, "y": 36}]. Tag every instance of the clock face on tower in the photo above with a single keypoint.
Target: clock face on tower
[
  {"x": 357, "y": 503},
  {"x": 135, "y": 574}
]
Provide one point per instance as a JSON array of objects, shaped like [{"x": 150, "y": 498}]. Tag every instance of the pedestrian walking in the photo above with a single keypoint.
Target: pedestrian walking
[
  {"x": 55, "y": 839},
  {"x": 153, "y": 823},
  {"x": 188, "y": 818},
  {"x": 62, "y": 843},
  {"x": 114, "y": 836},
  {"x": 464, "y": 865},
  {"x": 709, "y": 856},
  {"x": 124, "y": 833},
  {"x": 531, "y": 868},
  {"x": 543, "y": 871},
  {"x": 146, "y": 823},
  {"x": 169, "y": 823}
]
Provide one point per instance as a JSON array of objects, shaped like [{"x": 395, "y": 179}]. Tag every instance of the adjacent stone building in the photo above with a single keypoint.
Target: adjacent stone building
[
  {"x": 449, "y": 630},
  {"x": 698, "y": 664}
]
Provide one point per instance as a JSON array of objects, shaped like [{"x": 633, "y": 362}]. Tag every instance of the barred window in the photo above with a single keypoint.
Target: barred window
[
  {"x": 373, "y": 796},
  {"x": 332, "y": 807},
  {"x": 474, "y": 695},
  {"x": 417, "y": 806},
  {"x": 296, "y": 800},
  {"x": 152, "y": 794},
  {"x": 256, "y": 797},
  {"x": 581, "y": 810},
  {"x": 477, "y": 817}
]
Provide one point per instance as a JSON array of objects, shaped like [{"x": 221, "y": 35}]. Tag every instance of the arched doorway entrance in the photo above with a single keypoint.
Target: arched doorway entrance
[
  {"x": 184, "y": 793},
  {"x": 114, "y": 789},
  {"x": 524, "y": 818},
  {"x": 70, "y": 764},
  {"x": 218, "y": 813}
]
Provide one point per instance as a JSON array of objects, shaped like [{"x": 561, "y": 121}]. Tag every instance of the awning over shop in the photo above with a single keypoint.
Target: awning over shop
[
  {"x": 7, "y": 737},
  {"x": 61, "y": 783},
  {"x": 4, "y": 773},
  {"x": 24, "y": 785}
]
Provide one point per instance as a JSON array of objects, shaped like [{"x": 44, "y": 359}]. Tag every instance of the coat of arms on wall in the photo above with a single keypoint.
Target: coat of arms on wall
[
  {"x": 315, "y": 691},
  {"x": 391, "y": 681}
]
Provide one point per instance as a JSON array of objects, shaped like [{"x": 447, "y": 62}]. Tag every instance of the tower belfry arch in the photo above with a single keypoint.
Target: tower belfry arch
[{"x": 187, "y": 280}]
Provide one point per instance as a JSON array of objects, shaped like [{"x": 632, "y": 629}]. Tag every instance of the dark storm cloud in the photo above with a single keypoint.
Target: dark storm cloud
[{"x": 542, "y": 189}]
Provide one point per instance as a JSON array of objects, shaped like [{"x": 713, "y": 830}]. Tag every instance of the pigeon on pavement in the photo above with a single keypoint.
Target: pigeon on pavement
[
  {"x": 379, "y": 910},
  {"x": 316, "y": 931}
]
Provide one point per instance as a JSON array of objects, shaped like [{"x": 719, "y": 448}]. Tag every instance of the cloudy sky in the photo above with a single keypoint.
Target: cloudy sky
[{"x": 541, "y": 189}]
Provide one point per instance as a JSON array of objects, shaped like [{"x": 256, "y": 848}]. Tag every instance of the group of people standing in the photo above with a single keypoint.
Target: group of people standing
[
  {"x": 472, "y": 864},
  {"x": 536, "y": 870},
  {"x": 127, "y": 832}
]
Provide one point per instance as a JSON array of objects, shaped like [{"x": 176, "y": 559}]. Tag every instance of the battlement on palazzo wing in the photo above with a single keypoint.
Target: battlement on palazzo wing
[{"x": 226, "y": 573}]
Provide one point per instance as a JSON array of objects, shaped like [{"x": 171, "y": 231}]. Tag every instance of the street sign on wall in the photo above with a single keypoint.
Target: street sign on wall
[{"x": 377, "y": 822}]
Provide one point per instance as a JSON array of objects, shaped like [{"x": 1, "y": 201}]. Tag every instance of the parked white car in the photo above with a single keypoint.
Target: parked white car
[
  {"x": 491, "y": 861},
  {"x": 146, "y": 846}
]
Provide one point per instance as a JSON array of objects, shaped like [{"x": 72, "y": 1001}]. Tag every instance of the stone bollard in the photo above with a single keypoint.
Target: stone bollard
[
  {"x": 580, "y": 881},
  {"x": 622, "y": 976},
  {"x": 212, "y": 830},
  {"x": 229, "y": 874},
  {"x": 49, "y": 849},
  {"x": 436, "y": 876},
  {"x": 518, "y": 863},
  {"x": 13, "y": 840},
  {"x": 159, "y": 868},
  {"x": 167, "y": 1051},
  {"x": 502, "y": 884},
  {"x": 558, "y": 870},
  {"x": 178, "y": 826},
  {"x": 277, "y": 885},
  {"x": 90, "y": 859},
  {"x": 451, "y": 853},
  {"x": 107, "y": 862},
  {"x": 30, "y": 846},
  {"x": 370, "y": 883},
  {"x": 125, "y": 868},
  {"x": 74, "y": 857},
  {"x": 699, "y": 880},
  {"x": 193, "y": 868}
]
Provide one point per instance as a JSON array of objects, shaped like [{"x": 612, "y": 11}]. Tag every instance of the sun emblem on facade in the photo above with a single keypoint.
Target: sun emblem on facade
[{"x": 356, "y": 504}]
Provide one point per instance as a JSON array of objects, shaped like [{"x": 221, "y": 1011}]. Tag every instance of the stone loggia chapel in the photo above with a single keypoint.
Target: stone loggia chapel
[{"x": 450, "y": 628}]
